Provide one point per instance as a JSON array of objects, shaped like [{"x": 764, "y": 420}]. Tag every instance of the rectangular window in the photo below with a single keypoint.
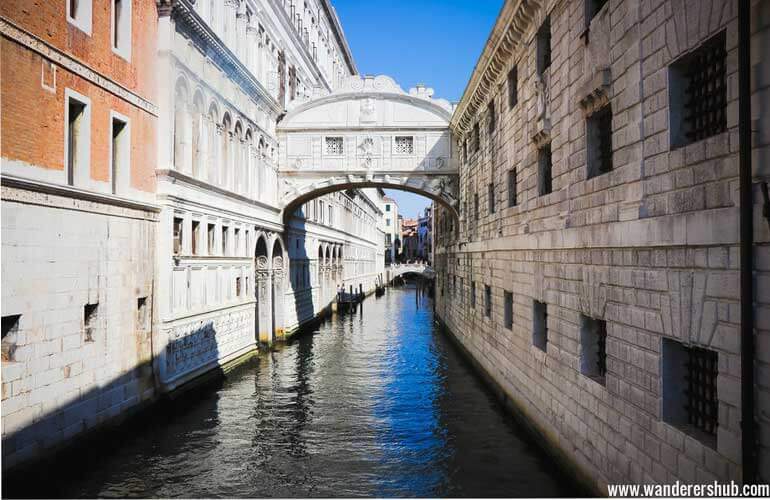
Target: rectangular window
[
  {"x": 78, "y": 133},
  {"x": 334, "y": 146},
  {"x": 491, "y": 118},
  {"x": 487, "y": 301},
  {"x": 473, "y": 294},
  {"x": 544, "y": 171},
  {"x": 476, "y": 206},
  {"x": 462, "y": 291},
  {"x": 404, "y": 145},
  {"x": 491, "y": 197},
  {"x": 238, "y": 286},
  {"x": 79, "y": 14},
  {"x": 476, "y": 138},
  {"x": 599, "y": 142},
  {"x": 10, "y": 326},
  {"x": 387, "y": 208},
  {"x": 90, "y": 321},
  {"x": 225, "y": 235},
  {"x": 212, "y": 231},
  {"x": 513, "y": 91},
  {"x": 121, "y": 150},
  {"x": 592, "y": 8},
  {"x": 121, "y": 27},
  {"x": 142, "y": 315},
  {"x": 690, "y": 390},
  {"x": 508, "y": 310},
  {"x": 540, "y": 325},
  {"x": 178, "y": 235},
  {"x": 593, "y": 348},
  {"x": 237, "y": 242},
  {"x": 196, "y": 234},
  {"x": 544, "y": 46},
  {"x": 465, "y": 150},
  {"x": 698, "y": 93},
  {"x": 512, "y": 187}
]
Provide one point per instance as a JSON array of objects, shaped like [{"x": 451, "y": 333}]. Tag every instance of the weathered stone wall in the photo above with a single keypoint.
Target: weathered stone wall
[
  {"x": 651, "y": 247},
  {"x": 60, "y": 254}
]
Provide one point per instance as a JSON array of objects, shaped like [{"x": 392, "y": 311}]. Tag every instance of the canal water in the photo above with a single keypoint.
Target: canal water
[{"x": 373, "y": 403}]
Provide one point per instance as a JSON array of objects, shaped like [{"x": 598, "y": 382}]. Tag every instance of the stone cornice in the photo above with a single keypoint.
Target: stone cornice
[
  {"x": 214, "y": 47},
  {"x": 511, "y": 26},
  {"x": 52, "y": 192},
  {"x": 70, "y": 63},
  {"x": 340, "y": 35}
]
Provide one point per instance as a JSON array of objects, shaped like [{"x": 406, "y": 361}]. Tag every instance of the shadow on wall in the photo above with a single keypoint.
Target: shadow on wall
[{"x": 301, "y": 279}]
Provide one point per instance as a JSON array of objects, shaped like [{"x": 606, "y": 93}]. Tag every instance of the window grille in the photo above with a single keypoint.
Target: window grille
[
  {"x": 405, "y": 145},
  {"x": 334, "y": 146},
  {"x": 599, "y": 142},
  {"x": 487, "y": 301},
  {"x": 702, "y": 404},
  {"x": 706, "y": 92}
]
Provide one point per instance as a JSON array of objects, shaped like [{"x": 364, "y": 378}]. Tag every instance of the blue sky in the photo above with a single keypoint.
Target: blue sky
[{"x": 435, "y": 42}]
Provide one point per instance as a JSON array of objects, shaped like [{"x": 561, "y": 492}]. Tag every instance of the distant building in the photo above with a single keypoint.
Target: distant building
[
  {"x": 425, "y": 235},
  {"x": 409, "y": 240},
  {"x": 392, "y": 228}
]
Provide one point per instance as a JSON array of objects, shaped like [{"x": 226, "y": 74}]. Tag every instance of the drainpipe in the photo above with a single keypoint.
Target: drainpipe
[{"x": 747, "y": 245}]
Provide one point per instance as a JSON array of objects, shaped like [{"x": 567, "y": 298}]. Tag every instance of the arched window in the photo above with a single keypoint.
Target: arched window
[
  {"x": 249, "y": 164},
  {"x": 181, "y": 135},
  {"x": 198, "y": 136},
  {"x": 213, "y": 143},
  {"x": 225, "y": 145},
  {"x": 237, "y": 161}
]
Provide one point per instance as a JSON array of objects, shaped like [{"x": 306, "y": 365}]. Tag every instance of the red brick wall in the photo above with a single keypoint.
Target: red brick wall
[{"x": 32, "y": 118}]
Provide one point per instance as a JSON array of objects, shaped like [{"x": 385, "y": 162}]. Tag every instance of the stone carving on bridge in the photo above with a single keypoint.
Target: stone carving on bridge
[
  {"x": 367, "y": 151},
  {"x": 368, "y": 110}
]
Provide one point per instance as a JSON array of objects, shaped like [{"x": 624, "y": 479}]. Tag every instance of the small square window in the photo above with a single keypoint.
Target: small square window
[
  {"x": 599, "y": 142},
  {"x": 545, "y": 170},
  {"x": 512, "y": 187},
  {"x": 593, "y": 348},
  {"x": 404, "y": 145},
  {"x": 90, "y": 321},
  {"x": 540, "y": 325},
  {"x": 487, "y": 301},
  {"x": 513, "y": 91},
  {"x": 334, "y": 146},
  {"x": 690, "y": 399},
  {"x": 698, "y": 93},
  {"x": 508, "y": 310},
  {"x": 544, "y": 46}
]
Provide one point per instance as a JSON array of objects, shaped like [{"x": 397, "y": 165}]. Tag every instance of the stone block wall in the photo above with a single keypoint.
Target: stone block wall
[
  {"x": 64, "y": 372},
  {"x": 650, "y": 247}
]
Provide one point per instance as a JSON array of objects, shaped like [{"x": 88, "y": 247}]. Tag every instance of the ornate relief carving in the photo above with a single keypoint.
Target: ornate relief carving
[
  {"x": 368, "y": 111},
  {"x": 262, "y": 262}
]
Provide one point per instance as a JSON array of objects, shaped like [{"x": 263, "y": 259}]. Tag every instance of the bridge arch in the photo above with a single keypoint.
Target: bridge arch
[{"x": 368, "y": 133}]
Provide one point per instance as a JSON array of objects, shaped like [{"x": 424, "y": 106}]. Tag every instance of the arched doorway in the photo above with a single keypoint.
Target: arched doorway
[
  {"x": 278, "y": 296},
  {"x": 262, "y": 279}
]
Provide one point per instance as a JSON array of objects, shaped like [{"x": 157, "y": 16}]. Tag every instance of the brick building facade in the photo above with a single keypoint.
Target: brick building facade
[
  {"x": 594, "y": 275},
  {"x": 78, "y": 180}
]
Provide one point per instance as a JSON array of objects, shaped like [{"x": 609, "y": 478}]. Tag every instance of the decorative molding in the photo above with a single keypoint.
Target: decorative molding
[
  {"x": 46, "y": 50},
  {"x": 213, "y": 47},
  {"x": 19, "y": 189},
  {"x": 510, "y": 30},
  {"x": 595, "y": 93}
]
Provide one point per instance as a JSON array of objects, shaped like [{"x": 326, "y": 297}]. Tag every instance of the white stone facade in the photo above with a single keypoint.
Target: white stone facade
[{"x": 648, "y": 248}]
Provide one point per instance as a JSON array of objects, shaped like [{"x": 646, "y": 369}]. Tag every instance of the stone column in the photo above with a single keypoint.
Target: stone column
[
  {"x": 279, "y": 327},
  {"x": 264, "y": 302}
]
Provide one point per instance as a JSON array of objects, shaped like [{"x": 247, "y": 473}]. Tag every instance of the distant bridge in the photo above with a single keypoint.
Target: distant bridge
[{"x": 395, "y": 270}]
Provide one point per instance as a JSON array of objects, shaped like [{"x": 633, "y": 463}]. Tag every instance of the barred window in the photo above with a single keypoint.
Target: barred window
[
  {"x": 512, "y": 186},
  {"x": 473, "y": 294},
  {"x": 592, "y": 8},
  {"x": 476, "y": 206},
  {"x": 690, "y": 390},
  {"x": 544, "y": 46},
  {"x": 334, "y": 146},
  {"x": 508, "y": 310},
  {"x": 698, "y": 93},
  {"x": 540, "y": 325},
  {"x": 545, "y": 167},
  {"x": 487, "y": 301},
  {"x": 405, "y": 145},
  {"x": 599, "y": 142},
  {"x": 491, "y": 197},
  {"x": 593, "y": 348},
  {"x": 476, "y": 138},
  {"x": 513, "y": 91},
  {"x": 491, "y": 119}
]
